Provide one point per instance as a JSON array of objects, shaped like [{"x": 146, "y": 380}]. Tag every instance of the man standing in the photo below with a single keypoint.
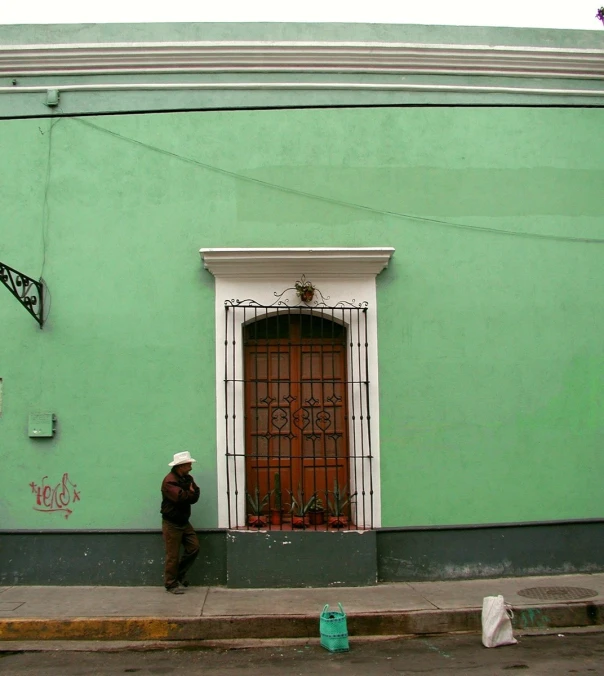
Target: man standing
[{"x": 179, "y": 491}]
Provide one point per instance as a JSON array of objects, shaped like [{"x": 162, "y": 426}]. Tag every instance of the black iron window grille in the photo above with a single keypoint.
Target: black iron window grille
[{"x": 298, "y": 440}]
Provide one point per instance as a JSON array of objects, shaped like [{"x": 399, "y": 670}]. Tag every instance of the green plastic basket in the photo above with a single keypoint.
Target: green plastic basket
[{"x": 334, "y": 630}]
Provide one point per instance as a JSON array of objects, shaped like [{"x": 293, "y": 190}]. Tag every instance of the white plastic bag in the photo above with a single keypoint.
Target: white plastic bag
[{"x": 496, "y": 624}]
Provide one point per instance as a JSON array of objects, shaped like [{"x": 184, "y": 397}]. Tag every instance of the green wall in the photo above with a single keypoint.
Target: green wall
[{"x": 491, "y": 356}]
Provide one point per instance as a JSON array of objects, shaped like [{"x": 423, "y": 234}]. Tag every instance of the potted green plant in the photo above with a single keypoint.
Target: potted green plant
[
  {"x": 256, "y": 505},
  {"x": 299, "y": 508},
  {"x": 316, "y": 513},
  {"x": 305, "y": 290},
  {"x": 277, "y": 508},
  {"x": 338, "y": 512}
]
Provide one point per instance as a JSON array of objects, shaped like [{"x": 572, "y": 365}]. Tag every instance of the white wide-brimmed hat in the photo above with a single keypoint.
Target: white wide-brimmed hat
[{"x": 181, "y": 459}]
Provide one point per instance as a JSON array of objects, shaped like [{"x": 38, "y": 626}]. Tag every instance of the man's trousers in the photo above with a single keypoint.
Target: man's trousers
[{"x": 175, "y": 567}]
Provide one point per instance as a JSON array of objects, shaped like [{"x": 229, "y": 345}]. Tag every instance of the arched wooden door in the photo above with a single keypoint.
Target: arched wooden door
[{"x": 295, "y": 406}]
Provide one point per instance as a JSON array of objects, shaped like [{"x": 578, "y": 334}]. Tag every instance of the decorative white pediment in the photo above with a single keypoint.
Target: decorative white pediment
[{"x": 326, "y": 262}]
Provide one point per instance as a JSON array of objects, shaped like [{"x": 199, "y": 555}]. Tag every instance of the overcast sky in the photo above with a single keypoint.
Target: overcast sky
[{"x": 532, "y": 13}]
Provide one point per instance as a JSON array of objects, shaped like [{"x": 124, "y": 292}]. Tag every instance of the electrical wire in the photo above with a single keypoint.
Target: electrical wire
[
  {"x": 335, "y": 201},
  {"x": 45, "y": 204},
  {"x": 47, "y": 301}
]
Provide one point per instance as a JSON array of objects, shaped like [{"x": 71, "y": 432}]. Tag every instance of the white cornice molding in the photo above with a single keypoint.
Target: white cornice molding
[
  {"x": 300, "y": 57},
  {"x": 306, "y": 86},
  {"x": 529, "y": 94},
  {"x": 326, "y": 262}
]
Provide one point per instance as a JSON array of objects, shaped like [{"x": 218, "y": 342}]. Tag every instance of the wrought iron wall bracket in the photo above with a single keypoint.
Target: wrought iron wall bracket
[{"x": 28, "y": 291}]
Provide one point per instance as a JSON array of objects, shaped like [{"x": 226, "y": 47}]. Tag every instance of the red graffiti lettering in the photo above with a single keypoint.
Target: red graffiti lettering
[
  {"x": 46, "y": 496},
  {"x": 55, "y": 498}
]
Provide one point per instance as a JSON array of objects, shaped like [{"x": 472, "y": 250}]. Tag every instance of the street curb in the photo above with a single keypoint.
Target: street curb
[
  {"x": 418, "y": 622},
  {"x": 570, "y": 614},
  {"x": 249, "y": 643}
]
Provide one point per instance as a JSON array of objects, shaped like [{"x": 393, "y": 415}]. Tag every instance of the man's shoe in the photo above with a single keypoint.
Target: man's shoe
[{"x": 174, "y": 590}]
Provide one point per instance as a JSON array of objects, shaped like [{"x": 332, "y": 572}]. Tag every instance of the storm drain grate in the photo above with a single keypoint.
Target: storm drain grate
[{"x": 557, "y": 593}]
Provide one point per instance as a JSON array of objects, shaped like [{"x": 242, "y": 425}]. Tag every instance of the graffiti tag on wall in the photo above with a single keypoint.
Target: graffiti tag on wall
[{"x": 55, "y": 498}]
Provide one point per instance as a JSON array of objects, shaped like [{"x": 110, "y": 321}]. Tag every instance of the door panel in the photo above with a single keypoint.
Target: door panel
[{"x": 296, "y": 419}]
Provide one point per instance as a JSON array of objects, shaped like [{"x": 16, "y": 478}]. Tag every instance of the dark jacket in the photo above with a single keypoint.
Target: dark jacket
[{"x": 178, "y": 494}]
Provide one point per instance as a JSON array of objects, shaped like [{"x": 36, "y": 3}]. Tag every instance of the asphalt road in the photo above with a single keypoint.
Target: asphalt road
[{"x": 551, "y": 655}]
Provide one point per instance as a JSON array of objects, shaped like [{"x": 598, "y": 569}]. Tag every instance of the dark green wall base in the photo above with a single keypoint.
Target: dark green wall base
[
  {"x": 121, "y": 559},
  {"x": 291, "y": 559},
  {"x": 491, "y": 551}
]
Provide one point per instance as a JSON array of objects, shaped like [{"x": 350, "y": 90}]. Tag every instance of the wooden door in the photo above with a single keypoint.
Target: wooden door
[
  {"x": 296, "y": 418},
  {"x": 323, "y": 435}
]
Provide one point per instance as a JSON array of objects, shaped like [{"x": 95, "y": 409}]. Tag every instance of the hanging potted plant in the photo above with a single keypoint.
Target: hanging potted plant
[
  {"x": 255, "y": 517},
  {"x": 277, "y": 508},
  {"x": 338, "y": 512},
  {"x": 299, "y": 508},
  {"x": 305, "y": 290}
]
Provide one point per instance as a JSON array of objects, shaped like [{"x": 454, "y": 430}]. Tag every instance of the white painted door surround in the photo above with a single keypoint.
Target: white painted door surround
[{"x": 343, "y": 275}]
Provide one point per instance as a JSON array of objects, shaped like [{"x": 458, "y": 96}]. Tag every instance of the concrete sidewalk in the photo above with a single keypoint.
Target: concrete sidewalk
[{"x": 202, "y": 614}]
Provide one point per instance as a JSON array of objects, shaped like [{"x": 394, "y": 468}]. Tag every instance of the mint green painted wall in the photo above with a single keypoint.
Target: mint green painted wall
[
  {"x": 92, "y": 33},
  {"x": 491, "y": 357}
]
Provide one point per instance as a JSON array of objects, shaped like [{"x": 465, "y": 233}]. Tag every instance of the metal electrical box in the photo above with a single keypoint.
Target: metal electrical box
[{"x": 42, "y": 424}]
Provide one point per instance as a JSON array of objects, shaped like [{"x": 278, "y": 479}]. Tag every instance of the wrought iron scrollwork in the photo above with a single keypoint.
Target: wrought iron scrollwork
[
  {"x": 301, "y": 418},
  {"x": 28, "y": 291},
  {"x": 308, "y": 295},
  {"x": 304, "y": 290},
  {"x": 250, "y": 302},
  {"x": 323, "y": 420},
  {"x": 279, "y": 418}
]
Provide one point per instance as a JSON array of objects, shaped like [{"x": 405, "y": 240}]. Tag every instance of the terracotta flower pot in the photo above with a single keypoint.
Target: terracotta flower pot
[
  {"x": 256, "y": 521},
  {"x": 338, "y": 521},
  {"x": 316, "y": 518},
  {"x": 299, "y": 521}
]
